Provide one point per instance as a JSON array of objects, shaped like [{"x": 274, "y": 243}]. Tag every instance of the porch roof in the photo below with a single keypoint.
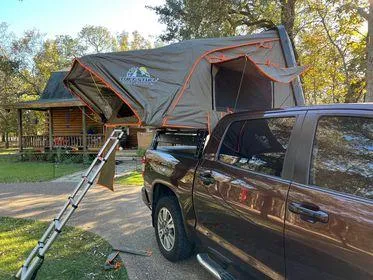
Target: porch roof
[
  {"x": 55, "y": 94},
  {"x": 44, "y": 104}
]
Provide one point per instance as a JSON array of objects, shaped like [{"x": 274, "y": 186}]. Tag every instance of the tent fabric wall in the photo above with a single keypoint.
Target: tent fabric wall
[{"x": 172, "y": 86}]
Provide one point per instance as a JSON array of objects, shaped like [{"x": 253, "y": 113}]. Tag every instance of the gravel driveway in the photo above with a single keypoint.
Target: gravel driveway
[{"x": 120, "y": 217}]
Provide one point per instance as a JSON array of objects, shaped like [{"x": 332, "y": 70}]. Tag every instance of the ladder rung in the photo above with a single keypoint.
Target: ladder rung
[
  {"x": 73, "y": 203},
  {"x": 85, "y": 178},
  {"x": 57, "y": 225},
  {"x": 102, "y": 158}
]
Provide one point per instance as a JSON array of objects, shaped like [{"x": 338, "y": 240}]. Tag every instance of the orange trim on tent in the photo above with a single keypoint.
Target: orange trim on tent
[
  {"x": 266, "y": 75},
  {"x": 195, "y": 64},
  {"x": 164, "y": 121},
  {"x": 210, "y": 59},
  {"x": 222, "y": 58},
  {"x": 106, "y": 84}
]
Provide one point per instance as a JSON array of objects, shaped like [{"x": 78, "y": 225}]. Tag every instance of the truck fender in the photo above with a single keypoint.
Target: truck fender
[{"x": 173, "y": 189}]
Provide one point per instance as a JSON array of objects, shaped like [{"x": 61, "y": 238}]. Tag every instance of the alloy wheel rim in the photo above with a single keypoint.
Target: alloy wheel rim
[{"x": 166, "y": 229}]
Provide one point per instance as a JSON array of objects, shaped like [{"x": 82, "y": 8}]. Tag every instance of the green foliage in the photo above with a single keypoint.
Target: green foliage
[
  {"x": 31, "y": 155},
  {"x": 335, "y": 49},
  {"x": 140, "y": 152},
  {"x": 188, "y": 19},
  {"x": 82, "y": 252},
  {"x": 139, "y": 42},
  {"x": 97, "y": 39}
]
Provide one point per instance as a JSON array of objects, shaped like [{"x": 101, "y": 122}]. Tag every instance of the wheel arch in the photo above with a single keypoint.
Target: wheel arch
[{"x": 160, "y": 189}]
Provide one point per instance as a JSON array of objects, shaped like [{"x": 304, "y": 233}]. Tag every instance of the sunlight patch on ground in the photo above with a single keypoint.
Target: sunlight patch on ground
[{"x": 131, "y": 179}]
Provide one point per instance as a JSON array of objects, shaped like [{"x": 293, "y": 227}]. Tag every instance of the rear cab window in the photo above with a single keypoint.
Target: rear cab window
[
  {"x": 342, "y": 155},
  {"x": 258, "y": 145}
]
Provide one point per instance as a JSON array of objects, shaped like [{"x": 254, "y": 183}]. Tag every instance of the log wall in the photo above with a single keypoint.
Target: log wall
[{"x": 68, "y": 121}]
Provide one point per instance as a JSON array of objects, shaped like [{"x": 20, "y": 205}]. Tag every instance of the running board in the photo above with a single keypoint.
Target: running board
[{"x": 214, "y": 268}]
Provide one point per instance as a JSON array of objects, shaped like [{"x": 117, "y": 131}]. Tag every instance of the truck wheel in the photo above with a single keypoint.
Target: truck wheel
[{"x": 169, "y": 230}]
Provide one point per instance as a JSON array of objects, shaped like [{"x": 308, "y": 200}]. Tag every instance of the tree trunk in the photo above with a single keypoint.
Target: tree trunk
[
  {"x": 6, "y": 140},
  {"x": 287, "y": 20},
  {"x": 350, "y": 96},
  {"x": 369, "y": 73}
]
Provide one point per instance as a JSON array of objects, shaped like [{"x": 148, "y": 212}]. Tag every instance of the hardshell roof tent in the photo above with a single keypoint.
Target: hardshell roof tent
[{"x": 190, "y": 84}]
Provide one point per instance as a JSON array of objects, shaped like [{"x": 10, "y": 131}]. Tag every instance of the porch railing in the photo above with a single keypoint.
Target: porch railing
[
  {"x": 94, "y": 141},
  {"x": 67, "y": 141},
  {"x": 35, "y": 141}
]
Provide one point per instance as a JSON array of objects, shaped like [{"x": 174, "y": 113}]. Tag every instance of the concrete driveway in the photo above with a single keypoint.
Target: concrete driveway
[{"x": 120, "y": 217}]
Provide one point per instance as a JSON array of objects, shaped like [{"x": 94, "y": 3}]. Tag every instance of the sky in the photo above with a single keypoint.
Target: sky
[{"x": 56, "y": 17}]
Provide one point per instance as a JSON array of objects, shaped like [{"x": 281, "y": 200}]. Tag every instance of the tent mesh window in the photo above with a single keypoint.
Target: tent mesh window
[{"x": 239, "y": 86}]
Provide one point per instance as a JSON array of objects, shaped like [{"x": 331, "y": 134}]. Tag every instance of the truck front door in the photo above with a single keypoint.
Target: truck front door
[{"x": 240, "y": 196}]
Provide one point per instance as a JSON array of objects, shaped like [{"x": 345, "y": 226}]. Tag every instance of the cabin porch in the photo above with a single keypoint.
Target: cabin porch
[{"x": 70, "y": 126}]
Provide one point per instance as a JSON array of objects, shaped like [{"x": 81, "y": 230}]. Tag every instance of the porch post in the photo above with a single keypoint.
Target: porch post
[
  {"x": 50, "y": 129},
  {"x": 19, "y": 115},
  {"x": 84, "y": 126}
]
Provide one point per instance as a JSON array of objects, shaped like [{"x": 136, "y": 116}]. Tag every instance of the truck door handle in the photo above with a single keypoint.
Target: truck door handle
[
  {"x": 206, "y": 178},
  {"x": 308, "y": 213}
]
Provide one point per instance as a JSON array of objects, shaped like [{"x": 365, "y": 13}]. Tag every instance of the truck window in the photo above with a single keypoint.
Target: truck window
[
  {"x": 257, "y": 145},
  {"x": 342, "y": 157}
]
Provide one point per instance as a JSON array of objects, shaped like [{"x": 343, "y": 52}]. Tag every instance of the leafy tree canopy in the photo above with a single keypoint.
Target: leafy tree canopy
[{"x": 26, "y": 63}]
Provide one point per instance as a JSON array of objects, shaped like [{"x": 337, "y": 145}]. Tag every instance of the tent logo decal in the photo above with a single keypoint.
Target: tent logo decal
[{"x": 138, "y": 76}]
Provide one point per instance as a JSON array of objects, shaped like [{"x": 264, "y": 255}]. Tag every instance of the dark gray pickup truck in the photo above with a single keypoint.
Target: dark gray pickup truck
[{"x": 285, "y": 194}]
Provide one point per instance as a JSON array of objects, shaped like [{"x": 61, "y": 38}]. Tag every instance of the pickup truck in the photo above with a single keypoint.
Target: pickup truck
[{"x": 282, "y": 194}]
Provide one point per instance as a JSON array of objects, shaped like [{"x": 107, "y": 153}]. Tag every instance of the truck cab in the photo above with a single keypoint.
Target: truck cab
[{"x": 281, "y": 194}]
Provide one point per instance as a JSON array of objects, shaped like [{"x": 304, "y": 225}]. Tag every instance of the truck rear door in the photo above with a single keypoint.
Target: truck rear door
[
  {"x": 240, "y": 194},
  {"x": 329, "y": 213}
]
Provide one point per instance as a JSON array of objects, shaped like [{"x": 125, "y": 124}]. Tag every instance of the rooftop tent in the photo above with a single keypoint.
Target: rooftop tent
[{"x": 191, "y": 84}]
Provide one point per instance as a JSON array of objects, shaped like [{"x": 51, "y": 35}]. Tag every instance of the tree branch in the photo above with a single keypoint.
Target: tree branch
[
  {"x": 363, "y": 13},
  {"x": 261, "y": 23},
  {"x": 339, "y": 50}
]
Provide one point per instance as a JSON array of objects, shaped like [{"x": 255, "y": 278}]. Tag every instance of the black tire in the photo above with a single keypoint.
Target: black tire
[{"x": 182, "y": 247}]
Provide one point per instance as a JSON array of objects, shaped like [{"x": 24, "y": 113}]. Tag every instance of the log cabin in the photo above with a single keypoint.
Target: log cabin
[{"x": 69, "y": 123}]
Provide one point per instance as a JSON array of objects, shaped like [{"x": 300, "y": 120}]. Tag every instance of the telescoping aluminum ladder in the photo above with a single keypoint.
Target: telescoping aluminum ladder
[{"x": 35, "y": 260}]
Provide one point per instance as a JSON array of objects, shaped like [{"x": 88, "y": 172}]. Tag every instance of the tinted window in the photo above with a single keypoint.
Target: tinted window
[
  {"x": 257, "y": 145},
  {"x": 342, "y": 158}
]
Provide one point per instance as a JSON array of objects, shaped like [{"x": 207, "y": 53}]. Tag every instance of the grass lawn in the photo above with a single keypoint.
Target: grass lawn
[
  {"x": 76, "y": 254},
  {"x": 134, "y": 178},
  {"x": 24, "y": 171}
]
